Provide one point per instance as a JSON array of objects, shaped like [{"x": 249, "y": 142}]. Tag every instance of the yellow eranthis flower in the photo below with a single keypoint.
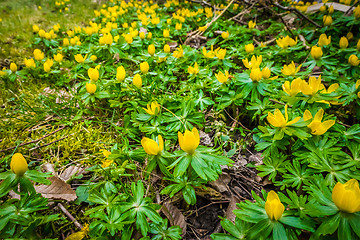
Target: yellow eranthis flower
[
  {"x": 167, "y": 48},
  {"x": 278, "y": 120},
  {"x": 105, "y": 152},
  {"x": 120, "y": 73},
  {"x": 58, "y": 57},
  {"x": 189, "y": 141},
  {"x": 209, "y": 54},
  {"x": 93, "y": 58},
  {"x": 48, "y": 64},
  {"x": 35, "y": 28},
  {"x": 266, "y": 72},
  {"x": 221, "y": 77},
  {"x": 79, "y": 235},
  {"x": 151, "y": 49},
  {"x": 290, "y": 70},
  {"x": 93, "y": 74},
  {"x": 179, "y": 52},
  {"x": 144, "y": 67},
  {"x": 29, "y": 62},
  {"x": 142, "y": 35},
  {"x": 166, "y": 33},
  {"x": 273, "y": 206},
  {"x": 354, "y": 60},
  {"x": 194, "y": 70},
  {"x": 151, "y": 147},
  {"x": 317, "y": 127},
  {"x": 91, "y": 88},
  {"x": 327, "y": 20},
  {"x": 137, "y": 81},
  {"x": 178, "y": 26},
  {"x": 347, "y": 196},
  {"x": 225, "y": 35},
  {"x": 79, "y": 58},
  {"x": 254, "y": 63},
  {"x": 255, "y": 74},
  {"x": 220, "y": 53},
  {"x": 343, "y": 43},
  {"x": 18, "y": 164},
  {"x": 316, "y": 52},
  {"x": 149, "y": 35},
  {"x": 332, "y": 88},
  {"x": 324, "y": 40},
  {"x": 249, "y": 48},
  {"x": 66, "y": 42},
  {"x": 203, "y": 28},
  {"x": 251, "y": 24},
  {"x": 285, "y": 42},
  {"x": 42, "y": 33},
  {"x": 38, "y": 55},
  {"x": 128, "y": 38},
  {"x": 331, "y": 9},
  {"x": 153, "y": 108},
  {"x": 312, "y": 88},
  {"x": 107, "y": 163},
  {"x": 357, "y": 12},
  {"x": 293, "y": 89},
  {"x": 349, "y": 36}
]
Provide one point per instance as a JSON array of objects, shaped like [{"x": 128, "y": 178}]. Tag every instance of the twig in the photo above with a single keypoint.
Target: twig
[
  {"x": 66, "y": 212},
  {"x": 45, "y": 145},
  {"x": 275, "y": 101},
  {"x": 344, "y": 124},
  {"x": 352, "y": 6},
  {"x": 236, "y": 121},
  {"x": 34, "y": 141}
]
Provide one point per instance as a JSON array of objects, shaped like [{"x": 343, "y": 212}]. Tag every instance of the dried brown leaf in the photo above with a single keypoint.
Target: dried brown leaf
[
  {"x": 174, "y": 215},
  {"x": 71, "y": 171},
  {"x": 58, "y": 189}
]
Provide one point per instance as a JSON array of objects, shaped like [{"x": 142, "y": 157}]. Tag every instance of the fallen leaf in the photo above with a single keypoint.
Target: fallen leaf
[
  {"x": 71, "y": 171},
  {"x": 232, "y": 206},
  {"x": 58, "y": 189},
  {"x": 337, "y": 7},
  {"x": 174, "y": 215},
  {"x": 221, "y": 184}
]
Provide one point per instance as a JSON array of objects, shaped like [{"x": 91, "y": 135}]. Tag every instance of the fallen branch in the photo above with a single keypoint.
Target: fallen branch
[{"x": 66, "y": 212}]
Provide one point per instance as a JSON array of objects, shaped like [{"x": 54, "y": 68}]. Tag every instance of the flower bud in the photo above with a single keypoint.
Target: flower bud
[
  {"x": 327, "y": 20},
  {"x": 38, "y": 54},
  {"x": 142, "y": 35},
  {"x": 273, "y": 206},
  {"x": 151, "y": 49},
  {"x": 347, "y": 196},
  {"x": 120, "y": 73},
  {"x": 225, "y": 35},
  {"x": 323, "y": 40},
  {"x": 189, "y": 141},
  {"x": 249, "y": 48},
  {"x": 151, "y": 147},
  {"x": 93, "y": 74},
  {"x": 91, "y": 88},
  {"x": 266, "y": 72},
  {"x": 13, "y": 67},
  {"x": 144, "y": 67},
  {"x": 354, "y": 60},
  {"x": 316, "y": 52},
  {"x": 18, "y": 164},
  {"x": 137, "y": 81},
  {"x": 166, "y": 33},
  {"x": 255, "y": 74},
  {"x": 344, "y": 43},
  {"x": 167, "y": 48},
  {"x": 331, "y": 9}
]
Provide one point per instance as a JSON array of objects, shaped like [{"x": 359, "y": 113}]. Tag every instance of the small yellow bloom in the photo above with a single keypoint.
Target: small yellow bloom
[
  {"x": 105, "y": 152},
  {"x": 316, "y": 52},
  {"x": 18, "y": 164},
  {"x": 221, "y": 77},
  {"x": 347, "y": 196},
  {"x": 293, "y": 89},
  {"x": 323, "y": 40},
  {"x": 285, "y": 42},
  {"x": 149, "y": 35},
  {"x": 202, "y": 29},
  {"x": 167, "y": 48},
  {"x": 38, "y": 54},
  {"x": 255, "y": 74},
  {"x": 107, "y": 163},
  {"x": 220, "y": 53},
  {"x": 128, "y": 38},
  {"x": 317, "y": 127},
  {"x": 322, "y": 8},
  {"x": 166, "y": 33},
  {"x": 254, "y": 63},
  {"x": 42, "y": 33},
  {"x": 194, "y": 70},
  {"x": 66, "y": 42},
  {"x": 120, "y": 73},
  {"x": 153, "y": 108},
  {"x": 35, "y": 28},
  {"x": 357, "y": 12},
  {"x": 344, "y": 43},
  {"x": 266, "y": 72},
  {"x": 93, "y": 58},
  {"x": 178, "y": 26},
  {"x": 151, "y": 49},
  {"x": 331, "y": 9},
  {"x": 91, "y": 88},
  {"x": 349, "y": 36},
  {"x": 144, "y": 67},
  {"x": 79, "y": 58},
  {"x": 29, "y": 62},
  {"x": 48, "y": 64},
  {"x": 189, "y": 141},
  {"x": 137, "y": 81},
  {"x": 290, "y": 70},
  {"x": 13, "y": 67},
  {"x": 225, "y": 35},
  {"x": 249, "y": 48},
  {"x": 151, "y": 147},
  {"x": 179, "y": 52},
  {"x": 273, "y": 206},
  {"x": 142, "y": 35},
  {"x": 354, "y": 60},
  {"x": 312, "y": 88},
  {"x": 278, "y": 120},
  {"x": 327, "y": 20},
  {"x": 58, "y": 57},
  {"x": 93, "y": 74},
  {"x": 209, "y": 54},
  {"x": 251, "y": 24}
]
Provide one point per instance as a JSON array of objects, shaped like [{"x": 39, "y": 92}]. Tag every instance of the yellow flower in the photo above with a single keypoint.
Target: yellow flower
[
  {"x": 249, "y": 48},
  {"x": 323, "y": 40},
  {"x": 66, "y": 42},
  {"x": 293, "y": 89},
  {"x": 35, "y": 28},
  {"x": 278, "y": 120},
  {"x": 128, "y": 38},
  {"x": 194, "y": 70},
  {"x": 93, "y": 58},
  {"x": 38, "y": 54},
  {"x": 316, "y": 52},
  {"x": 79, "y": 235},
  {"x": 327, "y": 20},
  {"x": 153, "y": 108},
  {"x": 142, "y": 35},
  {"x": 166, "y": 48},
  {"x": 225, "y": 35},
  {"x": 91, "y": 88},
  {"x": 285, "y": 42},
  {"x": 107, "y": 163},
  {"x": 105, "y": 152},
  {"x": 311, "y": 88},
  {"x": 58, "y": 57},
  {"x": 266, "y": 72},
  {"x": 137, "y": 81},
  {"x": 349, "y": 36},
  {"x": 317, "y": 127},
  {"x": 331, "y": 9},
  {"x": 149, "y": 35},
  {"x": 290, "y": 70},
  {"x": 322, "y": 8},
  {"x": 48, "y": 64},
  {"x": 18, "y": 164},
  {"x": 179, "y": 52},
  {"x": 42, "y": 33},
  {"x": 347, "y": 196},
  {"x": 79, "y": 58},
  {"x": 13, "y": 67},
  {"x": 166, "y": 33},
  {"x": 29, "y": 62},
  {"x": 357, "y": 12},
  {"x": 254, "y": 63},
  {"x": 273, "y": 206},
  {"x": 144, "y": 67},
  {"x": 93, "y": 74},
  {"x": 120, "y": 73},
  {"x": 354, "y": 60},
  {"x": 220, "y": 53},
  {"x": 151, "y": 147},
  {"x": 255, "y": 74},
  {"x": 189, "y": 141},
  {"x": 221, "y": 77},
  {"x": 151, "y": 49},
  {"x": 106, "y": 39},
  {"x": 209, "y": 54},
  {"x": 251, "y": 24},
  {"x": 203, "y": 28},
  {"x": 344, "y": 43},
  {"x": 178, "y": 26}
]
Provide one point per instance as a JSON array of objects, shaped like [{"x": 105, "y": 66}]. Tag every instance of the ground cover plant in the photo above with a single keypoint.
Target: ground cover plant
[{"x": 179, "y": 120}]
